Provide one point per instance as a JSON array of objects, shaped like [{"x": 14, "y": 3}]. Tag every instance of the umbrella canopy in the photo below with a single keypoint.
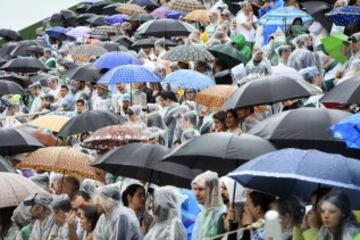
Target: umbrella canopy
[
  {"x": 284, "y": 16},
  {"x": 6, "y": 49},
  {"x": 228, "y": 55},
  {"x": 5, "y": 166},
  {"x": 15, "y": 189},
  {"x": 9, "y": 87},
  {"x": 79, "y": 32},
  {"x": 63, "y": 160},
  {"x": 145, "y": 3},
  {"x": 346, "y": 92},
  {"x": 189, "y": 79},
  {"x": 335, "y": 45},
  {"x": 129, "y": 74},
  {"x": 318, "y": 9},
  {"x": 114, "y": 59},
  {"x": 269, "y": 89},
  {"x": 57, "y": 31},
  {"x": 9, "y": 34},
  {"x": 49, "y": 121},
  {"x": 86, "y": 51},
  {"x": 141, "y": 18},
  {"x": 106, "y": 30},
  {"x": 87, "y": 73},
  {"x": 188, "y": 52},
  {"x": 200, "y": 15},
  {"x": 149, "y": 43},
  {"x": 97, "y": 7},
  {"x": 24, "y": 65},
  {"x": 23, "y": 47},
  {"x": 184, "y": 6},
  {"x": 88, "y": 121},
  {"x": 42, "y": 78},
  {"x": 219, "y": 152},
  {"x": 112, "y": 136},
  {"x": 215, "y": 96},
  {"x": 305, "y": 128},
  {"x": 63, "y": 15},
  {"x": 143, "y": 162},
  {"x": 97, "y": 20},
  {"x": 115, "y": 19},
  {"x": 82, "y": 18},
  {"x": 165, "y": 28},
  {"x": 348, "y": 130},
  {"x": 110, "y": 46},
  {"x": 298, "y": 172},
  {"x": 130, "y": 9},
  {"x": 47, "y": 139},
  {"x": 343, "y": 16},
  {"x": 14, "y": 141},
  {"x": 110, "y": 9},
  {"x": 123, "y": 40},
  {"x": 160, "y": 12}
]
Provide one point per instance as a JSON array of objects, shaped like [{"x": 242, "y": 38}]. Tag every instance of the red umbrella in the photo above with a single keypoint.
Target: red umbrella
[{"x": 112, "y": 136}]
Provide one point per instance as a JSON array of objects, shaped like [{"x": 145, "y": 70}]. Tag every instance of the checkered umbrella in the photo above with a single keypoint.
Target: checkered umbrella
[
  {"x": 105, "y": 30},
  {"x": 15, "y": 188},
  {"x": 185, "y": 6},
  {"x": 84, "y": 52},
  {"x": 130, "y": 9},
  {"x": 188, "y": 52}
]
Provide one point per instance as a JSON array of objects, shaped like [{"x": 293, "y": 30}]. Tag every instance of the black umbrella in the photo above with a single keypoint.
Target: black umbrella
[
  {"x": 35, "y": 50},
  {"x": 8, "y": 34},
  {"x": 110, "y": 9},
  {"x": 145, "y": 3},
  {"x": 5, "y": 166},
  {"x": 63, "y": 15},
  {"x": 88, "y": 121},
  {"x": 317, "y": 10},
  {"x": 149, "y": 43},
  {"x": 97, "y": 7},
  {"x": 143, "y": 162},
  {"x": 110, "y": 46},
  {"x": 219, "y": 152},
  {"x": 305, "y": 128},
  {"x": 122, "y": 40},
  {"x": 22, "y": 48},
  {"x": 24, "y": 65},
  {"x": 269, "y": 89},
  {"x": 97, "y": 20},
  {"x": 14, "y": 141},
  {"x": 82, "y": 18},
  {"x": 87, "y": 73},
  {"x": 9, "y": 87},
  {"x": 165, "y": 28},
  {"x": 347, "y": 92},
  {"x": 140, "y": 18},
  {"x": 82, "y": 7},
  {"x": 6, "y": 49}
]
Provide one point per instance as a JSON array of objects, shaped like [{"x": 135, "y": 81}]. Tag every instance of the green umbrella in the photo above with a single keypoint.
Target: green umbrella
[
  {"x": 228, "y": 55},
  {"x": 334, "y": 46}
]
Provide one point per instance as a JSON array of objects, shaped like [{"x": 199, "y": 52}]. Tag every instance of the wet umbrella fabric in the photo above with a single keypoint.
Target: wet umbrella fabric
[
  {"x": 228, "y": 55},
  {"x": 24, "y": 65},
  {"x": 88, "y": 121},
  {"x": 9, "y": 87},
  {"x": 87, "y": 73},
  {"x": 165, "y": 28},
  {"x": 149, "y": 42},
  {"x": 348, "y": 130},
  {"x": 219, "y": 152},
  {"x": 188, "y": 52},
  {"x": 5, "y": 166},
  {"x": 9, "y": 34},
  {"x": 143, "y": 162},
  {"x": 14, "y": 141},
  {"x": 189, "y": 79},
  {"x": 343, "y": 16},
  {"x": 114, "y": 59},
  {"x": 346, "y": 92}
]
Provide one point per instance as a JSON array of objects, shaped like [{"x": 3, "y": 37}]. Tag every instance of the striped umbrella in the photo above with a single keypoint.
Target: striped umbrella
[{"x": 185, "y": 6}]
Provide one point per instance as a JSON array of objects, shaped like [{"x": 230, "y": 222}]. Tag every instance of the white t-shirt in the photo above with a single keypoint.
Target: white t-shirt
[{"x": 249, "y": 34}]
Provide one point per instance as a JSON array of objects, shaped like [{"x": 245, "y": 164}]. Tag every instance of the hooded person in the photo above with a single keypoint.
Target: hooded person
[
  {"x": 88, "y": 186},
  {"x": 209, "y": 222},
  {"x": 302, "y": 56},
  {"x": 134, "y": 114},
  {"x": 61, "y": 206},
  {"x": 314, "y": 77},
  {"x": 22, "y": 223},
  {"x": 258, "y": 64},
  {"x": 241, "y": 45},
  {"x": 168, "y": 225},
  {"x": 116, "y": 222},
  {"x": 343, "y": 225}
]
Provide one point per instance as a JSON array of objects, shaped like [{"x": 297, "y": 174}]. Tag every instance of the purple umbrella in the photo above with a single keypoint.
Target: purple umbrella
[
  {"x": 115, "y": 19},
  {"x": 78, "y": 32},
  {"x": 115, "y": 59},
  {"x": 160, "y": 12}
]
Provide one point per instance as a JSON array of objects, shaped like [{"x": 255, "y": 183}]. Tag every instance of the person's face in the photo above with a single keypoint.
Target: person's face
[
  {"x": 218, "y": 125},
  {"x": 137, "y": 202},
  {"x": 121, "y": 87},
  {"x": 67, "y": 188},
  {"x": 164, "y": 102},
  {"x": 35, "y": 211},
  {"x": 101, "y": 91},
  {"x": 241, "y": 113},
  {"x": 79, "y": 107},
  {"x": 85, "y": 223},
  {"x": 258, "y": 56},
  {"x": 63, "y": 92},
  {"x": 59, "y": 216},
  {"x": 224, "y": 193},
  {"x": 52, "y": 84},
  {"x": 230, "y": 120},
  {"x": 286, "y": 54},
  {"x": 355, "y": 46},
  {"x": 254, "y": 211},
  {"x": 77, "y": 203},
  {"x": 330, "y": 215},
  {"x": 34, "y": 91},
  {"x": 132, "y": 116},
  {"x": 199, "y": 190},
  {"x": 126, "y": 104},
  {"x": 189, "y": 94}
]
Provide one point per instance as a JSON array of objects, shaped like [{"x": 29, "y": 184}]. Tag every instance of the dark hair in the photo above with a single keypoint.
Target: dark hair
[
  {"x": 292, "y": 206},
  {"x": 61, "y": 204},
  {"x": 92, "y": 215},
  {"x": 65, "y": 86},
  {"x": 221, "y": 116},
  {"x": 5, "y": 220},
  {"x": 261, "y": 199},
  {"x": 74, "y": 182},
  {"x": 82, "y": 194},
  {"x": 232, "y": 112},
  {"x": 80, "y": 101},
  {"x": 168, "y": 95},
  {"x": 130, "y": 191}
]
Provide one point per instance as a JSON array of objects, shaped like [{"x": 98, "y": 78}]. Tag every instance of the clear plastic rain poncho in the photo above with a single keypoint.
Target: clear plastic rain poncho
[
  {"x": 168, "y": 226},
  {"x": 118, "y": 222},
  {"x": 210, "y": 220}
]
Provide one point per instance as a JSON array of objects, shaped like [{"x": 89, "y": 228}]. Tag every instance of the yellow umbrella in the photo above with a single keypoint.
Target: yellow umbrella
[
  {"x": 199, "y": 15},
  {"x": 215, "y": 96},
  {"x": 52, "y": 122}
]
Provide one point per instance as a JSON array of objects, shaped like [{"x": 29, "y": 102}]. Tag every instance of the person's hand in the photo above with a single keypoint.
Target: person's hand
[
  {"x": 246, "y": 217},
  {"x": 231, "y": 215},
  {"x": 71, "y": 219}
]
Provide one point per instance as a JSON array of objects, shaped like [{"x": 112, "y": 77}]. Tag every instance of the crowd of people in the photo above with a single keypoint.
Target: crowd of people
[{"x": 217, "y": 207}]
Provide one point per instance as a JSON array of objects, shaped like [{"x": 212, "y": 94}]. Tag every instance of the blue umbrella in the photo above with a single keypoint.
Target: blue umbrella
[
  {"x": 348, "y": 130},
  {"x": 189, "y": 79},
  {"x": 115, "y": 59},
  {"x": 175, "y": 15},
  {"x": 343, "y": 16},
  {"x": 56, "y": 31},
  {"x": 115, "y": 19},
  {"x": 299, "y": 172},
  {"x": 129, "y": 74}
]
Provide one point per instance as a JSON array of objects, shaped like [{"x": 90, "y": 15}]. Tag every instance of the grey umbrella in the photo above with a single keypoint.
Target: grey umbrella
[
  {"x": 9, "y": 87},
  {"x": 165, "y": 28},
  {"x": 24, "y": 65},
  {"x": 188, "y": 52},
  {"x": 87, "y": 73},
  {"x": 14, "y": 141},
  {"x": 5, "y": 166}
]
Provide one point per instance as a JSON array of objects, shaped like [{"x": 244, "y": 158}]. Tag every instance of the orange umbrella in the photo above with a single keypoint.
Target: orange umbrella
[
  {"x": 130, "y": 9},
  {"x": 215, "y": 96},
  {"x": 45, "y": 138},
  {"x": 63, "y": 160},
  {"x": 199, "y": 15}
]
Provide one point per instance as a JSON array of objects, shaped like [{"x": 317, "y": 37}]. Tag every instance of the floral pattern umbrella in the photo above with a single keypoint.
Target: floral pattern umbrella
[
  {"x": 185, "y": 6},
  {"x": 215, "y": 96},
  {"x": 200, "y": 15},
  {"x": 130, "y": 9},
  {"x": 188, "y": 52},
  {"x": 112, "y": 136},
  {"x": 63, "y": 160},
  {"x": 84, "y": 52}
]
